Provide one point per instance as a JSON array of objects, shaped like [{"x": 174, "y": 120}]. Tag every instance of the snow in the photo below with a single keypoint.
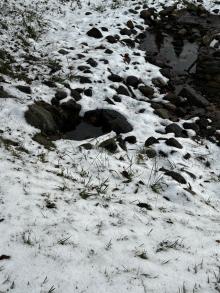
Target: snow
[{"x": 104, "y": 243}]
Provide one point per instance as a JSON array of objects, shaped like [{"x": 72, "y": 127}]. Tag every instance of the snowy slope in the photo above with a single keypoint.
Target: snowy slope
[{"x": 69, "y": 219}]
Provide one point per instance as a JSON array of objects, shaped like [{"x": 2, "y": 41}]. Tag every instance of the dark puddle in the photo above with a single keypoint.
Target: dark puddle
[
  {"x": 84, "y": 131},
  {"x": 164, "y": 50}
]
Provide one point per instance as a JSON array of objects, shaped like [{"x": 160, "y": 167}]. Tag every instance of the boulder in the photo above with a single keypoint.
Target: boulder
[
  {"x": 108, "y": 120},
  {"x": 95, "y": 33},
  {"x": 41, "y": 115}
]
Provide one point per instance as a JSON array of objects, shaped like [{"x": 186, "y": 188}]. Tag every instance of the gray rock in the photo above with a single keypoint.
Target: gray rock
[
  {"x": 147, "y": 91},
  {"x": 151, "y": 140},
  {"x": 110, "y": 145},
  {"x": 42, "y": 118},
  {"x": 108, "y": 120},
  {"x": 176, "y": 129}
]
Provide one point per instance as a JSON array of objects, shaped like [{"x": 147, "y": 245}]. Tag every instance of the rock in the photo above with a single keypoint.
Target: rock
[
  {"x": 108, "y": 120},
  {"x": 108, "y": 51},
  {"x": 86, "y": 146},
  {"x": 193, "y": 126},
  {"x": 115, "y": 78},
  {"x": 83, "y": 67},
  {"x": 129, "y": 42},
  {"x": 193, "y": 97},
  {"x": 110, "y": 145},
  {"x": 176, "y": 176},
  {"x": 60, "y": 95},
  {"x": 145, "y": 206},
  {"x": 176, "y": 129},
  {"x": 159, "y": 82},
  {"x": 131, "y": 139},
  {"x": 151, "y": 140},
  {"x": 84, "y": 79},
  {"x": 41, "y": 115},
  {"x": 111, "y": 39},
  {"x": 151, "y": 153},
  {"x": 132, "y": 81},
  {"x": 130, "y": 24},
  {"x": 95, "y": 33},
  {"x": 23, "y": 88},
  {"x": 145, "y": 14},
  {"x": 174, "y": 143},
  {"x": 147, "y": 91},
  {"x": 125, "y": 31},
  {"x": 116, "y": 98},
  {"x": 63, "y": 52},
  {"x": 44, "y": 140},
  {"x": 163, "y": 113},
  {"x": 109, "y": 101},
  {"x": 121, "y": 90},
  {"x": 187, "y": 156},
  {"x": 70, "y": 115},
  {"x": 92, "y": 62},
  {"x": 75, "y": 94},
  {"x": 88, "y": 92}
]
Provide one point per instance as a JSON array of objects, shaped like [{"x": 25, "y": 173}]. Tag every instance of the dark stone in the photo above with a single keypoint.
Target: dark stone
[
  {"x": 125, "y": 31},
  {"x": 70, "y": 115},
  {"x": 145, "y": 206},
  {"x": 92, "y": 62},
  {"x": 111, "y": 39},
  {"x": 109, "y": 101},
  {"x": 151, "y": 153},
  {"x": 193, "y": 126},
  {"x": 147, "y": 91},
  {"x": 131, "y": 139},
  {"x": 130, "y": 24},
  {"x": 63, "y": 52},
  {"x": 88, "y": 92},
  {"x": 151, "y": 140},
  {"x": 116, "y": 99},
  {"x": 41, "y": 115},
  {"x": 60, "y": 95},
  {"x": 174, "y": 143},
  {"x": 130, "y": 43},
  {"x": 187, "y": 156},
  {"x": 104, "y": 29},
  {"x": 83, "y": 67},
  {"x": 110, "y": 145},
  {"x": 176, "y": 129},
  {"x": 84, "y": 79},
  {"x": 75, "y": 94},
  {"x": 95, "y": 33},
  {"x": 23, "y": 88},
  {"x": 176, "y": 176},
  {"x": 49, "y": 83},
  {"x": 121, "y": 90},
  {"x": 108, "y": 120},
  {"x": 115, "y": 78},
  {"x": 108, "y": 51},
  {"x": 132, "y": 81}
]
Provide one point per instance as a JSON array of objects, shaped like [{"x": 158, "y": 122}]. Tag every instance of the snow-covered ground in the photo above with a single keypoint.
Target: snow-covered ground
[{"x": 69, "y": 219}]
